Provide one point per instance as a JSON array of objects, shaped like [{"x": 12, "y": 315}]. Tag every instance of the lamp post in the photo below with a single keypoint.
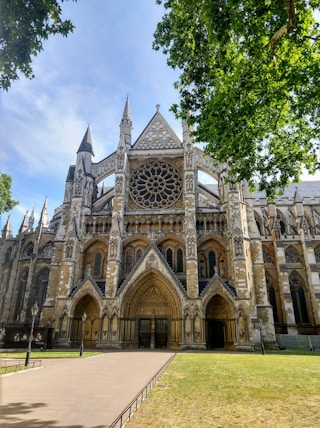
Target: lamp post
[
  {"x": 34, "y": 311},
  {"x": 84, "y": 318}
]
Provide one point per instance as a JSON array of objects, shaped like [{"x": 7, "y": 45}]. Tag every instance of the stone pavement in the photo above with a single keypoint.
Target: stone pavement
[{"x": 76, "y": 393}]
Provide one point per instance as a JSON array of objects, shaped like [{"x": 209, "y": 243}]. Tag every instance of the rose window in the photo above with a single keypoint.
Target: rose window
[{"x": 156, "y": 185}]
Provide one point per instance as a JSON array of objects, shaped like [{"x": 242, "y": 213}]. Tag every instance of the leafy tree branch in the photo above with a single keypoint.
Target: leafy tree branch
[
  {"x": 24, "y": 25},
  {"x": 258, "y": 115}
]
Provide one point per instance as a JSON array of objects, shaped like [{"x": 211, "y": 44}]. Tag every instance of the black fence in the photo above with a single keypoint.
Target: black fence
[
  {"x": 139, "y": 398},
  {"x": 18, "y": 337}
]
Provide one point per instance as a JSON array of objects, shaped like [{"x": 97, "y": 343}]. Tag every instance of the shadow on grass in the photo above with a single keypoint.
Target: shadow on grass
[{"x": 12, "y": 416}]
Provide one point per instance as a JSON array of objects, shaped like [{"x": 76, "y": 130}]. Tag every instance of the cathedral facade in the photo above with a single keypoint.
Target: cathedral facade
[{"x": 161, "y": 259}]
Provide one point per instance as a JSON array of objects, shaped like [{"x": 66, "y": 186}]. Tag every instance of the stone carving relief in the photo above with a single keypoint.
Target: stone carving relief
[
  {"x": 79, "y": 181},
  {"x": 189, "y": 183},
  {"x": 238, "y": 246},
  {"x": 189, "y": 155},
  {"x": 69, "y": 249},
  {"x": 119, "y": 184},
  {"x": 153, "y": 300}
]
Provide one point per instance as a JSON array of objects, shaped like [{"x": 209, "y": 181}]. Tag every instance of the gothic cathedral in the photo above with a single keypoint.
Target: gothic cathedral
[{"x": 162, "y": 259}]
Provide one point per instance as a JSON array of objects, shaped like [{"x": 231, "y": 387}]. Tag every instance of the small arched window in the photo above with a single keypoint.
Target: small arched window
[
  {"x": 179, "y": 260},
  {"x": 272, "y": 300},
  {"x": 317, "y": 254},
  {"x": 212, "y": 263},
  {"x": 169, "y": 257},
  {"x": 97, "y": 265},
  {"x": 128, "y": 261}
]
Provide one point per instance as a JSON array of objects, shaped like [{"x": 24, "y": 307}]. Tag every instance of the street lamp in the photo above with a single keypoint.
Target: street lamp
[
  {"x": 84, "y": 318},
  {"x": 34, "y": 311}
]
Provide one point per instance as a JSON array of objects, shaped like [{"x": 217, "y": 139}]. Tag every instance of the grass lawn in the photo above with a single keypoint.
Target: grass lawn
[
  {"x": 48, "y": 354},
  {"x": 234, "y": 390}
]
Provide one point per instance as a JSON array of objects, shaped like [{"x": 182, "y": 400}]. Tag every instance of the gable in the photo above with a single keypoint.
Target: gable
[{"x": 157, "y": 135}]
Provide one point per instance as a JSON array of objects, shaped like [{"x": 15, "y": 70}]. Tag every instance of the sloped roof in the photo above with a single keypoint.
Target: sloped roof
[{"x": 306, "y": 189}]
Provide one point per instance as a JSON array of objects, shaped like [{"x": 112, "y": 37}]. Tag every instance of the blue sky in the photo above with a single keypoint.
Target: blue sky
[
  {"x": 82, "y": 80},
  {"x": 79, "y": 81}
]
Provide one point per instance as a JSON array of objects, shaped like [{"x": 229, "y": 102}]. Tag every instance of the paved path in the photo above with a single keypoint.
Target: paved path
[{"x": 76, "y": 393}]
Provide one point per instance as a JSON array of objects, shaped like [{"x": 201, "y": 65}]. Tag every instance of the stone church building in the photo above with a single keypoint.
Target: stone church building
[{"x": 161, "y": 259}]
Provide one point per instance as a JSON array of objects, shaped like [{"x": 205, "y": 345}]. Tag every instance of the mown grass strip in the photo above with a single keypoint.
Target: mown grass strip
[
  {"x": 234, "y": 390},
  {"x": 49, "y": 354}
]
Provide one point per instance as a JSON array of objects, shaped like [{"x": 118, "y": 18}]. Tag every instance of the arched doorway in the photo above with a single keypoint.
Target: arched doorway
[
  {"x": 220, "y": 324},
  {"x": 89, "y": 306},
  {"x": 151, "y": 315}
]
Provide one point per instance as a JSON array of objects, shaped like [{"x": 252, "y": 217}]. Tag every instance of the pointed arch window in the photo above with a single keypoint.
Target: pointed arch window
[
  {"x": 47, "y": 250},
  {"x": 298, "y": 301},
  {"x": 292, "y": 255},
  {"x": 97, "y": 265},
  {"x": 179, "y": 260},
  {"x": 21, "y": 293},
  {"x": 42, "y": 286},
  {"x": 169, "y": 257},
  {"x": 317, "y": 254},
  {"x": 29, "y": 250},
  {"x": 39, "y": 292},
  {"x": 212, "y": 263},
  {"x": 7, "y": 257},
  {"x": 266, "y": 256},
  {"x": 272, "y": 300},
  {"x": 128, "y": 261}
]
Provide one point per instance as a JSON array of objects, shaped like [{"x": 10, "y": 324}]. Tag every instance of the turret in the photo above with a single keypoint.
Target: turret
[
  {"x": 298, "y": 204},
  {"x": 7, "y": 230},
  {"x": 43, "y": 221},
  {"x": 85, "y": 153},
  {"x": 24, "y": 224}
]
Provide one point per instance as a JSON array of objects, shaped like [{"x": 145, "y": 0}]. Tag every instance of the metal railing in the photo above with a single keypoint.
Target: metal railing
[
  {"x": 127, "y": 413},
  {"x": 13, "y": 366}
]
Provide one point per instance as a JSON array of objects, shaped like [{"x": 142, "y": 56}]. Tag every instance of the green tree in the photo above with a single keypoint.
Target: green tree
[
  {"x": 24, "y": 25},
  {"x": 249, "y": 83},
  {"x": 6, "y": 203}
]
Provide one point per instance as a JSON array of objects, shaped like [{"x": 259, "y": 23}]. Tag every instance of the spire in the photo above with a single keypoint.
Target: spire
[
  {"x": 7, "y": 230},
  {"x": 24, "y": 224},
  {"x": 31, "y": 220},
  {"x": 86, "y": 143},
  {"x": 126, "y": 112},
  {"x": 44, "y": 214},
  {"x": 126, "y": 124}
]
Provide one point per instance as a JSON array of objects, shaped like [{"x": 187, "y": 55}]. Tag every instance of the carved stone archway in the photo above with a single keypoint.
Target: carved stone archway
[
  {"x": 88, "y": 305},
  {"x": 151, "y": 314},
  {"x": 220, "y": 323}
]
